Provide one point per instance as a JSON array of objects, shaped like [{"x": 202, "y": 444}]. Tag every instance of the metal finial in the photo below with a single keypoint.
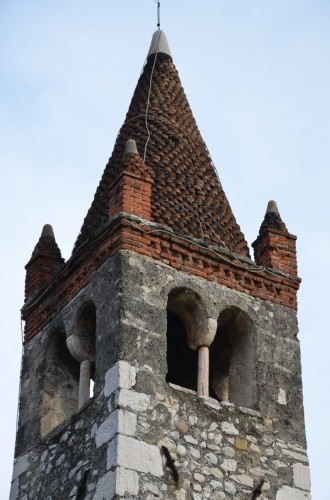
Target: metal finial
[{"x": 158, "y": 13}]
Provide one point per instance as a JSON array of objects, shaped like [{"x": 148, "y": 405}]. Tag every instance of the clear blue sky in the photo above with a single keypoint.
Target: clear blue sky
[{"x": 256, "y": 74}]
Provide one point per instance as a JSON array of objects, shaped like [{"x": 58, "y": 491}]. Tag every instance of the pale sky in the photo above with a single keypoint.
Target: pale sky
[{"x": 257, "y": 76}]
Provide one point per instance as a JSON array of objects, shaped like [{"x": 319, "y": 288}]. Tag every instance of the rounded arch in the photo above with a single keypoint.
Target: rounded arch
[
  {"x": 233, "y": 359},
  {"x": 85, "y": 328},
  {"x": 61, "y": 383},
  {"x": 186, "y": 315},
  {"x": 190, "y": 308},
  {"x": 81, "y": 344}
]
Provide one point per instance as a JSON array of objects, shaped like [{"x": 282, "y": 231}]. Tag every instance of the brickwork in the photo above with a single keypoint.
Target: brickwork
[
  {"x": 191, "y": 345},
  {"x": 45, "y": 262},
  {"x": 113, "y": 447},
  {"x": 187, "y": 195},
  {"x": 276, "y": 250},
  {"x": 275, "y": 247},
  {"x": 160, "y": 244}
]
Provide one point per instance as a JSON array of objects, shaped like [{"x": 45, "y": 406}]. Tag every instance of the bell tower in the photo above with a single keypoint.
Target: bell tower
[{"x": 160, "y": 360}]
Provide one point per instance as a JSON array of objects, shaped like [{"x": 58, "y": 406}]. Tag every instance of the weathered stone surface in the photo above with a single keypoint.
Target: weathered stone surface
[
  {"x": 281, "y": 398},
  {"x": 133, "y": 400},
  {"x": 132, "y": 454},
  {"x": 287, "y": 493},
  {"x": 229, "y": 428},
  {"x": 301, "y": 476},
  {"x": 224, "y": 441},
  {"x": 122, "y": 375},
  {"x": 181, "y": 426},
  {"x": 229, "y": 465},
  {"x": 21, "y": 465},
  {"x": 120, "y": 421},
  {"x": 242, "y": 479},
  {"x": 106, "y": 487},
  {"x": 127, "y": 482}
]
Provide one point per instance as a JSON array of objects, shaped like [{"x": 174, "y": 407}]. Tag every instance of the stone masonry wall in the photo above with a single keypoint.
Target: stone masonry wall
[{"x": 112, "y": 447}]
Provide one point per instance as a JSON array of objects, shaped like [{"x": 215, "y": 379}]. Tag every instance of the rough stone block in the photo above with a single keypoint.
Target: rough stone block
[
  {"x": 14, "y": 491},
  {"x": 21, "y": 465},
  {"x": 106, "y": 487},
  {"x": 281, "y": 398},
  {"x": 287, "y": 493},
  {"x": 301, "y": 476},
  {"x": 127, "y": 482},
  {"x": 120, "y": 376},
  {"x": 136, "y": 455},
  {"x": 229, "y": 428},
  {"x": 136, "y": 401},
  {"x": 241, "y": 444},
  {"x": 242, "y": 479},
  {"x": 120, "y": 421},
  {"x": 295, "y": 455}
]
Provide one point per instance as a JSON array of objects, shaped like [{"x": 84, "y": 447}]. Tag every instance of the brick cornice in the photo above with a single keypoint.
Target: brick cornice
[{"x": 186, "y": 255}]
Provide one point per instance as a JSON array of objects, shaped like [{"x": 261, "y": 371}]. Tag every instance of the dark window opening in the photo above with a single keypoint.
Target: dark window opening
[{"x": 182, "y": 362}]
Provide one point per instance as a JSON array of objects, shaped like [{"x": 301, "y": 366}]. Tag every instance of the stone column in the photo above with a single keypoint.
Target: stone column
[
  {"x": 83, "y": 350},
  {"x": 203, "y": 372},
  {"x": 84, "y": 382}
]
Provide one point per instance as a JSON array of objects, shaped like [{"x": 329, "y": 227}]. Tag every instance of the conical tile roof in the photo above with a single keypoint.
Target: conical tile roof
[{"x": 187, "y": 195}]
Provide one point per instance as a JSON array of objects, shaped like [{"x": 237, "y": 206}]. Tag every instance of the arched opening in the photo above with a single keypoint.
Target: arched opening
[
  {"x": 181, "y": 360},
  {"x": 85, "y": 331},
  {"x": 61, "y": 384},
  {"x": 185, "y": 312},
  {"x": 233, "y": 359}
]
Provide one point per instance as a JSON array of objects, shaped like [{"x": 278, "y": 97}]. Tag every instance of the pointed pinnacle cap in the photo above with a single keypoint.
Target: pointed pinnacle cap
[
  {"x": 272, "y": 207},
  {"x": 131, "y": 148},
  {"x": 159, "y": 44},
  {"x": 47, "y": 232}
]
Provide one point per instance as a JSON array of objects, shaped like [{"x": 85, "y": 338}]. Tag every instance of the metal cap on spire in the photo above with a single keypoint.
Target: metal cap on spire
[
  {"x": 130, "y": 147},
  {"x": 272, "y": 207},
  {"x": 47, "y": 232},
  {"x": 159, "y": 44}
]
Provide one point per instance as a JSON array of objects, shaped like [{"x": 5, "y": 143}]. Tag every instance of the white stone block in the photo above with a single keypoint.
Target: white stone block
[
  {"x": 281, "y": 398},
  {"x": 229, "y": 428},
  {"x": 132, "y": 454},
  {"x": 119, "y": 481},
  {"x": 14, "y": 490},
  {"x": 295, "y": 455},
  {"x": 229, "y": 465},
  {"x": 242, "y": 479},
  {"x": 127, "y": 481},
  {"x": 106, "y": 487},
  {"x": 136, "y": 401},
  {"x": 21, "y": 465},
  {"x": 287, "y": 493},
  {"x": 301, "y": 476},
  {"x": 120, "y": 376},
  {"x": 120, "y": 421}
]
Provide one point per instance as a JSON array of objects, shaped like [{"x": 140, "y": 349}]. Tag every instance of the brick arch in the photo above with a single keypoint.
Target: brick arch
[{"x": 233, "y": 358}]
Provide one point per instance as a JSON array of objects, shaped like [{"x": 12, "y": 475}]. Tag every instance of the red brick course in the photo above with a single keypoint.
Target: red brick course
[{"x": 179, "y": 253}]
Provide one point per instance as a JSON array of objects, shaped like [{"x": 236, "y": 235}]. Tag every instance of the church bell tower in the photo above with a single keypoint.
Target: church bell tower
[{"x": 160, "y": 360}]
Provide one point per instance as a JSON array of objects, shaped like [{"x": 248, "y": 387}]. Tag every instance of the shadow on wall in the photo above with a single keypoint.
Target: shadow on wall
[{"x": 232, "y": 353}]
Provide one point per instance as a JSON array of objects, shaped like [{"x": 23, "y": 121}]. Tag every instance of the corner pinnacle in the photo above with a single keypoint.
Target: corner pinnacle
[
  {"x": 272, "y": 208},
  {"x": 130, "y": 147},
  {"x": 47, "y": 232}
]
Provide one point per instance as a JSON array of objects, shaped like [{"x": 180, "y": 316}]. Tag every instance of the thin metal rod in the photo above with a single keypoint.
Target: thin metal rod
[{"x": 158, "y": 13}]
